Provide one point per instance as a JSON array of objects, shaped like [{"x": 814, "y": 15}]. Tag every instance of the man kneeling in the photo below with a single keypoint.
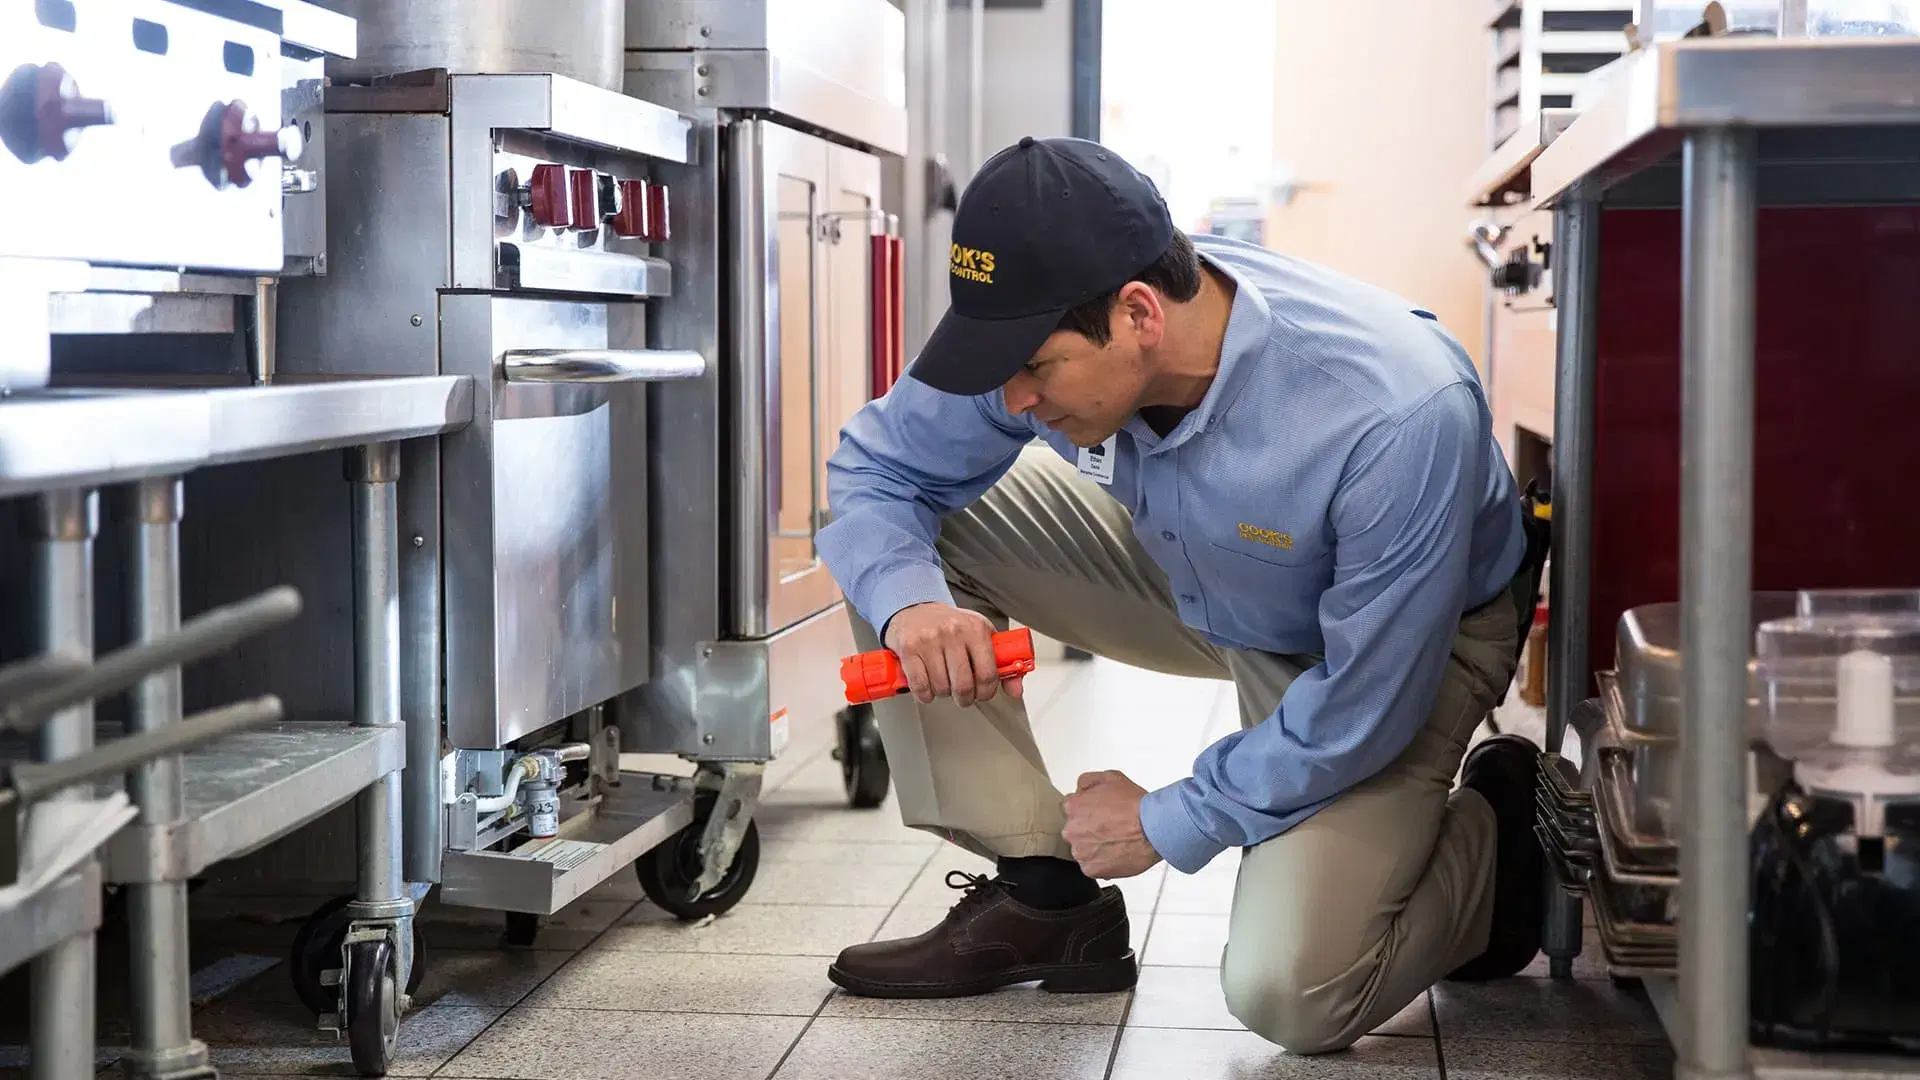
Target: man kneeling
[{"x": 1253, "y": 469}]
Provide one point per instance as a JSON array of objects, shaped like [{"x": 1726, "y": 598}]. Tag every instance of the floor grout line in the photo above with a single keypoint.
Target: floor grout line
[
  {"x": 1120, "y": 1033},
  {"x": 801, "y": 1037},
  {"x": 504, "y": 1013}
]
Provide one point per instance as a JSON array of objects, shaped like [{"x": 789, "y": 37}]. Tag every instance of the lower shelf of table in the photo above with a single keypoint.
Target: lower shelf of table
[
  {"x": 250, "y": 789},
  {"x": 1770, "y": 1064}
]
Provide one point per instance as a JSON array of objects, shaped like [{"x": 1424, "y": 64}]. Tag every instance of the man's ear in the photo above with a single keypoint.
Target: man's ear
[{"x": 1143, "y": 312}]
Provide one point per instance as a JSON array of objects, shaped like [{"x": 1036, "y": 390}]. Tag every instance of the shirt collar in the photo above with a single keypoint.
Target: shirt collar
[{"x": 1249, "y": 324}]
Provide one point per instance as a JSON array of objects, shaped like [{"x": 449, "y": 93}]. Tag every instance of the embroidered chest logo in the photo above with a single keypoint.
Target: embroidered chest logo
[
  {"x": 971, "y": 264},
  {"x": 1283, "y": 541}
]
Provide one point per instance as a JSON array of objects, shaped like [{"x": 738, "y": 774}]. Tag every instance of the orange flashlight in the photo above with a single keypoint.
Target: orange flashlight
[{"x": 870, "y": 676}]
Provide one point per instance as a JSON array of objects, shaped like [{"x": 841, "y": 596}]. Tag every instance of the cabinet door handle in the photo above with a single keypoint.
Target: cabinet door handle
[{"x": 602, "y": 365}]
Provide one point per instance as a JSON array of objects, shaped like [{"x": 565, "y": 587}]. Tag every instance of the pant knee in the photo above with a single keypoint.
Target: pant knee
[{"x": 1275, "y": 1003}]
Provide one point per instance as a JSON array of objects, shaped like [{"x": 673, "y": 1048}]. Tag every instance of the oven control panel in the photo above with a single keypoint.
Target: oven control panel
[
  {"x": 143, "y": 133},
  {"x": 582, "y": 225},
  {"x": 581, "y": 201}
]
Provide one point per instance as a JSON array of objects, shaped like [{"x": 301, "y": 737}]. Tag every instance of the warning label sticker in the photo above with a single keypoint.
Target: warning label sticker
[{"x": 563, "y": 854}]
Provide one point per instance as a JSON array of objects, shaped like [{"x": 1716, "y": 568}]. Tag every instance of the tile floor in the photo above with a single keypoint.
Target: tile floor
[{"x": 616, "y": 990}]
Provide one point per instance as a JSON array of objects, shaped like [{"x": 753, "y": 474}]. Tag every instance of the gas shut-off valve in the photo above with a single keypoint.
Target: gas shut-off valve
[{"x": 531, "y": 788}]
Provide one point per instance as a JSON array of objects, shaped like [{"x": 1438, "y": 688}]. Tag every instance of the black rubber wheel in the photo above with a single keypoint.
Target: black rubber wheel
[
  {"x": 373, "y": 1021},
  {"x": 316, "y": 948},
  {"x": 667, "y": 872},
  {"x": 522, "y": 930},
  {"x": 863, "y": 759}
]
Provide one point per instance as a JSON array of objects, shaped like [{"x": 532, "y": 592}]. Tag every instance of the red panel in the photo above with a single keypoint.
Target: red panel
[
  {"x": 1838, "y": 403},
  {"x": 880, "y": 311},
  {"x": 897, "y": 290}
]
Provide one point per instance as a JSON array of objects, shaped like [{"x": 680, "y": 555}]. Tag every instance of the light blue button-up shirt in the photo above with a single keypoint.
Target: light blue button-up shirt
[{"x": 1338, "y": 492}]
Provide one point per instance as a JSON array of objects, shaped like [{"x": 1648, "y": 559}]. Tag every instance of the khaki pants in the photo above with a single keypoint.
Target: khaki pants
[{"x": 1338, "y": 923}]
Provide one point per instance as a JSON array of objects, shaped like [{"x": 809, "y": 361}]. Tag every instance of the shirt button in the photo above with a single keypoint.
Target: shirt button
[
  {"x": 1167, "y": 534},
  {"x": 1186, "y": 598}
]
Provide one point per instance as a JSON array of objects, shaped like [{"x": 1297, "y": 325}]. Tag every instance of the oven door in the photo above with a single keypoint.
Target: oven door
[{"x": 801, "y": 211}]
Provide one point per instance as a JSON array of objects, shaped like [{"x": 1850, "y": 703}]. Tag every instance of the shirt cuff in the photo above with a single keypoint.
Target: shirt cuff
[
  {"x": 915, "y": 583},
  {"x": 1171, "y": 831}
]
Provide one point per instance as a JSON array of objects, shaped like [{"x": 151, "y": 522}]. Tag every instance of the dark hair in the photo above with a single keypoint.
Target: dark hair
[{"x": 1175, "y": 275}]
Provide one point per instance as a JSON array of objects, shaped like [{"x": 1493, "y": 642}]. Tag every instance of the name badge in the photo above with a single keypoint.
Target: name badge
[{"x": 1096, "y": 462}]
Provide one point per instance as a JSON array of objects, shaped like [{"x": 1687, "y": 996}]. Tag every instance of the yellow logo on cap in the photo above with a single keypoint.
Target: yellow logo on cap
[{"x": 971, "y": 264}]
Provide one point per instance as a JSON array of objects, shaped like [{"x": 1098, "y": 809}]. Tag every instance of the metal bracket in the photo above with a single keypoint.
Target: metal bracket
[
  {"x": 606, "y": 754},
  {"x": 738, "y": 785},
  {"x": 830, "y": 232},
  {"x": 161, "y": 855}
]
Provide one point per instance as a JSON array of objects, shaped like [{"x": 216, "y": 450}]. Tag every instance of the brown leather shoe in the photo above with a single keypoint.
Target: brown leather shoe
[{"x": 990, "y": 940}]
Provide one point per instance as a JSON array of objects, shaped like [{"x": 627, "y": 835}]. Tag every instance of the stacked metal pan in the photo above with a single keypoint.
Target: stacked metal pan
[
  {"x": 1598, "y": 846},
  {"x": 1609, "y": 827}
]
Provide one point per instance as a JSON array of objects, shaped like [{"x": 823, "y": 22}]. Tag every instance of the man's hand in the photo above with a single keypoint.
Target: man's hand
[
  {"x": 1103, "y": 827},
  {"x": 947, "y": 650}
]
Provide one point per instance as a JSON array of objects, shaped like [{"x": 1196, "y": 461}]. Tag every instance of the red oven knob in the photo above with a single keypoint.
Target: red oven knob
[
  {"x": 630, "y": 217},
  {"x": 42, "y": 113},
  {"x": 657, "y": 230},
  {"x": 550, "y": 198},
  {"x": 230, "y": 142},
  {"x": 586, "y": 198},
  {"x": 242, "y": 143}
]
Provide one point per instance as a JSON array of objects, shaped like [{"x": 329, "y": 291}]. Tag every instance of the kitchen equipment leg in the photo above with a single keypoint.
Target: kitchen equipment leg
[
  {"x": 62, "y": 995},
  {"x": 160, "y": 991},
  {"x": 1716, "y": 564},
  {"x": 423, "y": 819},
  {"x": 1576, "y": 265},
  {"x": 377, "y": 952}
]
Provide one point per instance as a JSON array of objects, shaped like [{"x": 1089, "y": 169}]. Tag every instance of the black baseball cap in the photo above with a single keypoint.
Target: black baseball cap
[{"x": 1045, "y": 226}]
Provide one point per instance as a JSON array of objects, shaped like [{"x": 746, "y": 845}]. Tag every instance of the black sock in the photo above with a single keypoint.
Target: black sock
[{"x": 1048, "y": 883}]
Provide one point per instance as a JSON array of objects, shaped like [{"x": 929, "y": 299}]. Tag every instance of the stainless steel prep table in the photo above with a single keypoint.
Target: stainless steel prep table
[
  {"x": 1718, "y": 127},
  {"x": 230, "y": 797},
  {"x": 93, "y": 437}
]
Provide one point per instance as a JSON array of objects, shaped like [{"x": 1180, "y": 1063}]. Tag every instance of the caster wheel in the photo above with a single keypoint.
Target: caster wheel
[
  {"x": 316, "y": 948},
  {"x": 667, "y": 872},
  {"x": 1560, "y": 967},
  {"x": 863, "y": 760},
  {"x": 521, "y": 931},
  {"x": 373, "y": 1020}
]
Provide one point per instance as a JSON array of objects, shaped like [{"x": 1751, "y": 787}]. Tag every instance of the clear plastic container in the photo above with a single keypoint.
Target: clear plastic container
[
  {"x": 1858, "y": 602},
  {"x": 1860, "y": 18},
  {"x": 1842, "y": 688},
  {"x": 1669, "y": 19}
]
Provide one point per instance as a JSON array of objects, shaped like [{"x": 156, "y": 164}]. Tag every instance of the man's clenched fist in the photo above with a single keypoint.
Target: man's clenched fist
[{"x": 946, "y": 650}]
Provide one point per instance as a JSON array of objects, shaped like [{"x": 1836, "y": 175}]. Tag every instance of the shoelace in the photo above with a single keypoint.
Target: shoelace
[{"x": 978, "y": 887}]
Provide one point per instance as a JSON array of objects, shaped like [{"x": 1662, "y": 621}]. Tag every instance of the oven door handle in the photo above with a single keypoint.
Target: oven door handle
[{"x": 602, "y": 365}]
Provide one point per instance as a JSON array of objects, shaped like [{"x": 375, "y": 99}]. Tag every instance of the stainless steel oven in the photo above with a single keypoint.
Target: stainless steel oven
[
  {"x": 795, "y": 288},
  {"x": 507, "y": 227}
]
